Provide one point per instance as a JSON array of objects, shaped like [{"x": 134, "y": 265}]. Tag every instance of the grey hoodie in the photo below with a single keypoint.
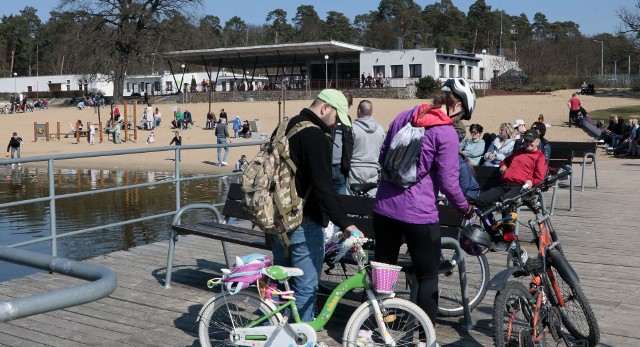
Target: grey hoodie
[{"x": 368, "y": 136}]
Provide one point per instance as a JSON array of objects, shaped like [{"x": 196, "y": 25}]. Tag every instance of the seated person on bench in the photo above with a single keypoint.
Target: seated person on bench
[
  {"x": 523, "y": 169},
  {"x": 187, "y": 119}
]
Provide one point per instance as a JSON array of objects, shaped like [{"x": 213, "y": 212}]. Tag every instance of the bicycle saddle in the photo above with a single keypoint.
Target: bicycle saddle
[
  {"x": 359, "y": 188},
  {"x": 281, "y": 273}
]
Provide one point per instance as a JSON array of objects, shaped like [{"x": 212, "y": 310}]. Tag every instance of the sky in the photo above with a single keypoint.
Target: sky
[{"x": 593, "y": 16}]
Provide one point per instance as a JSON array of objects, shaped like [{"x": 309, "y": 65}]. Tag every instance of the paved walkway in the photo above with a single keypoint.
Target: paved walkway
[{"x": 600, "y": 238}]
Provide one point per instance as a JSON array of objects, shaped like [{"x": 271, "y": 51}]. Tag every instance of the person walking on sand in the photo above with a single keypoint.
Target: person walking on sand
[
  {"x": 116, "y": 133},
  {"x": 14, "y": 146},
  {"x": 222, "y": 138},
  {"x": 177, "y": 139}
]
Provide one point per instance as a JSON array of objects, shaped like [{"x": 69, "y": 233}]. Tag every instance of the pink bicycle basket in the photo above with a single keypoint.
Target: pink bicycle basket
[{"x": 384, "y": 277}]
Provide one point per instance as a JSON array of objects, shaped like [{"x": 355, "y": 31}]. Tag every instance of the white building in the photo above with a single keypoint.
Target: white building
[
  {"x": 166, "y": 83},
  {"x": 33, "y": 85},
  {"x": 406, "y": 66}
]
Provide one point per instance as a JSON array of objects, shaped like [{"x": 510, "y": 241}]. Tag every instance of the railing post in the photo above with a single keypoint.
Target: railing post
[
  {"x": 52, "y": 209},
  {"x": 177, "y": 170}
]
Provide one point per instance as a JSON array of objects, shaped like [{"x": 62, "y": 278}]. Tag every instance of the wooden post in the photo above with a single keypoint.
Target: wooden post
[
  {"x": 58, "y": 130},
  {"x": 77, "y": 134},
  {"x": 100, "y": 128},
  {"x": 126, "y": 120},
  {"x": 35, "y": 131},
  {"x": 135, "y": 120},
  {"x": 47, "y": 131}
]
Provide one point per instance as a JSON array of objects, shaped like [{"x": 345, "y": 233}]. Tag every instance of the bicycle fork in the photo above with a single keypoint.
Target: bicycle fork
[{"x": 388, "y": 340}]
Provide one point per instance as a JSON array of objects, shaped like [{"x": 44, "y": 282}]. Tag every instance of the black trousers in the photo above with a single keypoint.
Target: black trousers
[{"x": 423, "y": 242}]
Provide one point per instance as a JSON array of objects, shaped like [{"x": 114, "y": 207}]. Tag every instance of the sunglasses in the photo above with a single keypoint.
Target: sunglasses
[{"x": 474, "y": 133}]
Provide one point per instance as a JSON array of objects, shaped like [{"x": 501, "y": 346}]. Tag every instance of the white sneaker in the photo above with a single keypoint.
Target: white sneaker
[
  {"x": 223, "y": 163},
  {"x": 19, "y": 164}
]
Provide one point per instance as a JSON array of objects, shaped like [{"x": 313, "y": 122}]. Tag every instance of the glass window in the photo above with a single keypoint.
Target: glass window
[
  {"x": 415, "y": 70},
  {"x": 442, "y": 74},
  {"x": 470, "y": 72},
  {"x": 482, "y": 76},
  {"x": 396, "y": 71},
  {"x": 128, "y": 86},
  {"x": 378, "y": 69},
  {"x": 452, "y": 71},
  {"x": 461, "y": 71},
  {"x": 168, "y": 86}
]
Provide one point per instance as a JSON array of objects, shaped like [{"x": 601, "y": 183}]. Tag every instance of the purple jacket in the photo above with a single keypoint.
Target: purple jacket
[{"x": 439, "y": 157}]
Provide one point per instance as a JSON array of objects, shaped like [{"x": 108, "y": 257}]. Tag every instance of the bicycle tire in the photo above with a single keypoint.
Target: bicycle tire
[
  {"x": 244, "y": 307},
  {"x": 577, "y": 315},
  {"x": 512, "y": 311},
  {"x": 403, "y": 315},
  {"x": 450, "y": 296}
]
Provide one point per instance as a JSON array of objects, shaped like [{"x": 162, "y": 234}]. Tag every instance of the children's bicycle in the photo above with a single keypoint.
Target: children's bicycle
[
  {"x": 526, "y": 316},
  {"x": 251, "y": 318}
]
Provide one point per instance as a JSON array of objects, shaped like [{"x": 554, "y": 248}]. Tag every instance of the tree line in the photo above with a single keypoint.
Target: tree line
[{"x": 114, "y": 37}]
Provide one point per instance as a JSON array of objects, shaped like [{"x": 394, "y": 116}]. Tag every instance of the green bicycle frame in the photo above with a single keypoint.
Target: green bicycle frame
[{"x": 359, "y": 280}]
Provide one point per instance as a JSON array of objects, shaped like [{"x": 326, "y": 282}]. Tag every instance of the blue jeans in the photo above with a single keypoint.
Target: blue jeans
[
  {"x": 339, "y": 181},
  {"x": 614, "y": 140},
  {"x": 307, "y": 253},
  {"x": 15, "y": 150},
  {"x": 222, "y": 141}
]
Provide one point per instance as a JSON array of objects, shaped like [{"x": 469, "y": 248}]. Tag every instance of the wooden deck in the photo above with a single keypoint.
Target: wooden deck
[{"x": 600, "y": 238}]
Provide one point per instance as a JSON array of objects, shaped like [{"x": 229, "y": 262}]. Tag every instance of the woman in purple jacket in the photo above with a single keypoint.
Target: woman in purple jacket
[{"x": 412, "y": 211}]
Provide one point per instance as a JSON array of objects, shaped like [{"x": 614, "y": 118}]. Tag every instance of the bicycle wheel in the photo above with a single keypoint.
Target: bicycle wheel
[
  {"x": 513, "y": 316},
  {"x": 405, "y": 321},
  {"x": 576, "y": 313},
  {"x": 221, "y": 314},
  {"x": 450, "y": 297},
  {"x": 334, "y": 274}
]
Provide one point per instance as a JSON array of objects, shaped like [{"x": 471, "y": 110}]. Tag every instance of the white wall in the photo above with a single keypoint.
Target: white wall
[{"x": 22, "y": 84}]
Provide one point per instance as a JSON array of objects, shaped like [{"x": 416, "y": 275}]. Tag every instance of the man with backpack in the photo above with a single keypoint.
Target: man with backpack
[{"x": 308, "y": 145}]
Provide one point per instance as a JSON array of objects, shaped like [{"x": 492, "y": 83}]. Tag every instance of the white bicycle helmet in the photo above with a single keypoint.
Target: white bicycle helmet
[{"x": 462, "y": 89}]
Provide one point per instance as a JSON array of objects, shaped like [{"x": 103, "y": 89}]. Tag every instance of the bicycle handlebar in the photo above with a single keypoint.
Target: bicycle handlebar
[{"x": 498, "y": 205}]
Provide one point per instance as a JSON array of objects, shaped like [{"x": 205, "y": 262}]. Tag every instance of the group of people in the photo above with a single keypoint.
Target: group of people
[
  {"x": 338, "y": 151},
  {"x": 369, "y": 82},
  {"x": 622, "y": 139},
  {"x": 22, "y": 103},
  {"x": 492, "y": 149}
]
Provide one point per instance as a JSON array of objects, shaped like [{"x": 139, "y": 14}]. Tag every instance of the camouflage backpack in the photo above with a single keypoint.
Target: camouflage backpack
[{"x": 270, "y": 197}]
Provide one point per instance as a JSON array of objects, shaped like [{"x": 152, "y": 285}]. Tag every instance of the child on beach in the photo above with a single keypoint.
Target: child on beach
[
  {"x": 177, "y": 139},
  {"x": 151, "y": 138},
  {"x": 241, "y": 164},
  {"x": 92, "y": 132},
  {"x": 14, "y": 145}
]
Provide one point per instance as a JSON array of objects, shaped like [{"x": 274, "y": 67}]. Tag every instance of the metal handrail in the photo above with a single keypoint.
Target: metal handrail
[
  {"x": 103, "y": 282},
  {"x": 52, "y": 197}
]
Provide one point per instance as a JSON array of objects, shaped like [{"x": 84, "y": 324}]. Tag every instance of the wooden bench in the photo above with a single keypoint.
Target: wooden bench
[{"x": 359, "y": 211}]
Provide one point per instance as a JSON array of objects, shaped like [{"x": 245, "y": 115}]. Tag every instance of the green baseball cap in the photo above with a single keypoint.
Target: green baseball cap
[{"x": 336, "y": 99}]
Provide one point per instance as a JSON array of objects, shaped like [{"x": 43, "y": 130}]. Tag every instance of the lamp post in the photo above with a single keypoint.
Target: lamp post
[
  {"x": 484, "y": 71},
  {"x": 326, "y": 71},
  {"x": 601, "y": 58},
  {"x": 15, "y": 90}
]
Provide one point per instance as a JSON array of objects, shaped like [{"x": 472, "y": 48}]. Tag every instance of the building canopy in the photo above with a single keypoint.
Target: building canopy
[{"x": 269, "y": 56}]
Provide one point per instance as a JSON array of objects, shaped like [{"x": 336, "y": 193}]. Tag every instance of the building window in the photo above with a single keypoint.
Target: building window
[
  {"x": 157, "y": 86},
  {"x": 68, "y": 87},
  {"x": 496, "y": 73},
  {"x": 470, "y": 72},
  {"x": 168, "y": 86},
  {"x": 396, "y": 71},
  {"x": 461, "y": 71},
  {"x": 482, "y": 76},
  {"x": 128, "y": 86},
  {"x": 141, "y": 89},
  {"x": 378, "y": 69},
  {"x": 79, "y": 86},
  {"x": 452, "y": 71},
  {"x": 441, "y": 71},
  {"x": 415, "y": 70}
]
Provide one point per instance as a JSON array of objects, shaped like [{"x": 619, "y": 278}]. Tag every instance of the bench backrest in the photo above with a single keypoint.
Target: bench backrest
[
  {"x": 487, "y": 177},
  {"x": 570, "y": 150},
  {"x": 358, "y": 208}
]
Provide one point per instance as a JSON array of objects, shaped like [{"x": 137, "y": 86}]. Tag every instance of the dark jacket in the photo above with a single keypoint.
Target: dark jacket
[
  {"x": 346, "y": 146},
  {"x": 14, "y": 142},
  {"x": 311, "y": 151},
  {"x": 468, "y": 182}
]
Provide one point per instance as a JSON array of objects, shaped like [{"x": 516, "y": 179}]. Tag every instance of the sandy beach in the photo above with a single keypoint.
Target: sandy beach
[{"x": 491, "y": 111}]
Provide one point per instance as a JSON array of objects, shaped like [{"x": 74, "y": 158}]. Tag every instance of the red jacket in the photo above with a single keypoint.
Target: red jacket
[{"x": 523, "y": 166}]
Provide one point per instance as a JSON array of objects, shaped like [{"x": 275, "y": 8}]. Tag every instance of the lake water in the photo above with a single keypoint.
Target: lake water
[{"x": 23, "y": 223}]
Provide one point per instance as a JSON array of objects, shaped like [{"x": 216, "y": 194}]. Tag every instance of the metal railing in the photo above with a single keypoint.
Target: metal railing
[
  {"x": 52, "y": 197},
  {"x": 104, "y": 282}
]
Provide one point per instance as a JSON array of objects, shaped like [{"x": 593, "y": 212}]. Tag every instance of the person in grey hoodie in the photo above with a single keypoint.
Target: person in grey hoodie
[{"x": 368, "y": 136}]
